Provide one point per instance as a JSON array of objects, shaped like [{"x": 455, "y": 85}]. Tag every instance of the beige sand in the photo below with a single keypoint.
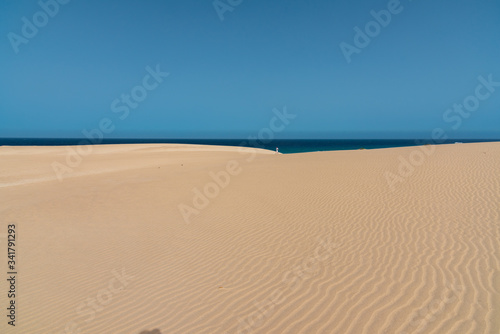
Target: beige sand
[{"x": 301, "y": 243}]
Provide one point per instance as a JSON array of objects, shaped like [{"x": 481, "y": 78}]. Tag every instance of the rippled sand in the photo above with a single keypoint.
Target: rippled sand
[{"x": 300, "y": 243}]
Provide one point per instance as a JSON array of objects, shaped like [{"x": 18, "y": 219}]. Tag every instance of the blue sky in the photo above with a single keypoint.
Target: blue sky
[{"x": 226, "y": 76}]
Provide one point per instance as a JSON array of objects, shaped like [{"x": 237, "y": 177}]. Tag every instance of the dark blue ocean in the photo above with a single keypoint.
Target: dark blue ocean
[{"x": 284, "y": 145}]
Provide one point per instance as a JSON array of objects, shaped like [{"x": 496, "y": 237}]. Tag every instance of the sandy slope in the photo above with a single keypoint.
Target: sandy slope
[{"x": 302, "y": 243}]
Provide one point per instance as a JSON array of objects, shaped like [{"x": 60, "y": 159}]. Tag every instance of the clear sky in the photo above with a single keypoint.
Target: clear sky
[{"x": 64, "y": 70}]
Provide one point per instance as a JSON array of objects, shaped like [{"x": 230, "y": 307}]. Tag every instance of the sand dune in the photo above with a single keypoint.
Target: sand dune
[{"x": 201, "y": 239}]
